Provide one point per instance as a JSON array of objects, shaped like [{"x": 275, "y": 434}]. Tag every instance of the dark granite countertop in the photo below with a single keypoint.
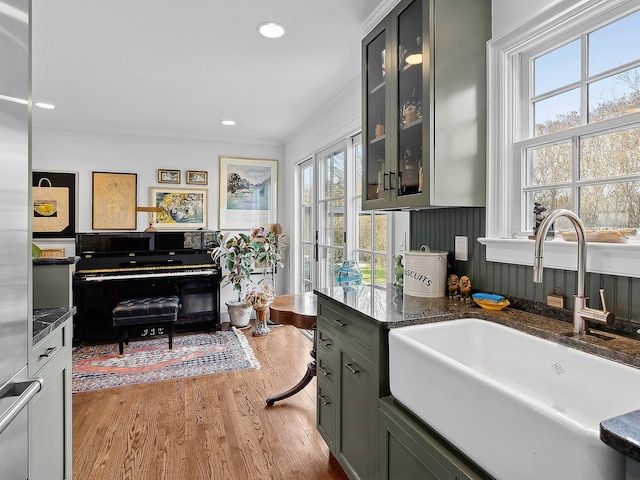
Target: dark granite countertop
[
  {"x": 46, "y": 320},
  {"x": 55, "y": 260},
  {"x": 389, "y": 308}
]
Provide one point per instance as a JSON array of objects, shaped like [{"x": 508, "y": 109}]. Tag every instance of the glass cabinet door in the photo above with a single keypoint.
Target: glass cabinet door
[
  {"x": 409, "y": 66},
  {"x": 377, "y": 184}
]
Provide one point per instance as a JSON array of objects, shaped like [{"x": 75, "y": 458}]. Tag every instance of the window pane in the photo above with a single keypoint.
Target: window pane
[
  {"x": 337, "y": 184},
  {"x": 615, "y": 44},
  {"x": 557, "y": 113},
  {"x": 550, "y": 164},
  {"x": 358, "y": 163},
  {"x": 611, "y": 155},
  {"x": 364, "y": 263},
  {"x": 380, "y": 269},
  {"x": 614, "y": 205},
  {"x": 614, "y": 96},
  {"x": 552, "y": 199},
  {"x": 364, "y": 230},
  {"x": 380, "y": 236},
  {"x": 307, "y": 258},
  {"x": 557, "y": 68},
  {"x": 307, "y": 185},
  {"x": 338, "y": 222},
  {"x": 307, "y": 225}
]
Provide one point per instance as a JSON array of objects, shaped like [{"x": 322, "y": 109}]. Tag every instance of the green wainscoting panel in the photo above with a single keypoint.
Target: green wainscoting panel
[{"x": 437, "y": 228}]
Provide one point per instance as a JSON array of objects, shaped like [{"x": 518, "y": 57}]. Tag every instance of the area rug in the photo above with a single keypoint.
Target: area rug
[{"x": 98, "y": 366}]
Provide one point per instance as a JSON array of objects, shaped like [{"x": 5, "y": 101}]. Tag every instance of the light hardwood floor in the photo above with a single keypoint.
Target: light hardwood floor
[{"x": 210, "y": 427}]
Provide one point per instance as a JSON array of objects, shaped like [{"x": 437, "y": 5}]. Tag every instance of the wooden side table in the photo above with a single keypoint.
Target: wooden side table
[{"x": 299, "y": 310}]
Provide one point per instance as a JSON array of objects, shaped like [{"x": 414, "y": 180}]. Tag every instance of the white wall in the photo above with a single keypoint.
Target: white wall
[{"x": 508, "y": 14}]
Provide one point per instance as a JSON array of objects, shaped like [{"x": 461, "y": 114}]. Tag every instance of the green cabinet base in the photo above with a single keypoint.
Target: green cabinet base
[{"x": 409, "y": 449}]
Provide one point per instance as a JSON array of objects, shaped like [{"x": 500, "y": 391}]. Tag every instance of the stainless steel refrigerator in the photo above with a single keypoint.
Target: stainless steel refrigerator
[{"x": 15, "y": 245}]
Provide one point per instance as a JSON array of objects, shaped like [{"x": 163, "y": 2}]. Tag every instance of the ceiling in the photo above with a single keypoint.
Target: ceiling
[{"x": 179, "y": 67}]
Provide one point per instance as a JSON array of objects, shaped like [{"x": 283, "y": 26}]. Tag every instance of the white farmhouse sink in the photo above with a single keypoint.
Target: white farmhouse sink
[{"x": 519, "y": 406}]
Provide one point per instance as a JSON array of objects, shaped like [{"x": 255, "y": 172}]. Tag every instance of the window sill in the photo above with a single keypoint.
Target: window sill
[{"x": 621, "y": 259}]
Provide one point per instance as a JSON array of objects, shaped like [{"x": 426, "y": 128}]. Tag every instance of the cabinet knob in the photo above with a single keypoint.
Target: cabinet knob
[
  {"x": 322, "y": 399},
  {"x": 323, "y": 371},
  {"x": 342, "y": 324}
]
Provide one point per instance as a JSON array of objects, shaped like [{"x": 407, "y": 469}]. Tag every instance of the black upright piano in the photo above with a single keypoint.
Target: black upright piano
[{"x": 120, "y": 266}]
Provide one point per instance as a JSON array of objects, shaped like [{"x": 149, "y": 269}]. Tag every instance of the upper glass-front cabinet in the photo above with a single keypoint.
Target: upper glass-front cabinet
[
  {"x": 409, "y": 66},
  {"x": 376, "y": 119},
  {"x": 424, "y": 105}
]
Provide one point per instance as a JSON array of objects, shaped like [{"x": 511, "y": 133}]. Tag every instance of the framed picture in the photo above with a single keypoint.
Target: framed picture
[
  {"x": 182, "y": 208},
  {"x": 168, "y": 176},
  {"x": 115, "y": 199},
  {"x": 248, "y": 193},
  {"x": 195, "y": 177},
  {"x": 55, "y": 209}
]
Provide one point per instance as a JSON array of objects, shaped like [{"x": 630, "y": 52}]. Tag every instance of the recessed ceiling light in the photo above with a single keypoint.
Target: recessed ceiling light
[
  {"x": 47, "y": 106},
  {"x": 228, "y": 122},
  {"x": 21, "y": 101},
  {"x": 271, "y": 30}
]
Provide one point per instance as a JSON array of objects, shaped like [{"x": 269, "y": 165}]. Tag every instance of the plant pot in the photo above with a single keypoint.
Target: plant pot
[
  {"x": 239, "y": 314},
  {"x": 261, "y": 327}
]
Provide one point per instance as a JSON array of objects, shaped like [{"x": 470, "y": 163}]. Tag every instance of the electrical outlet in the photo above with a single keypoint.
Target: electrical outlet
[
  {"x": 555, "y": 301},
  {"x": 461, "y": 248}
]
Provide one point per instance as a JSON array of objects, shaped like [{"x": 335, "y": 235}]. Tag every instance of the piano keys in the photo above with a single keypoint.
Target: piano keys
[{"x": 118, "y": 266}]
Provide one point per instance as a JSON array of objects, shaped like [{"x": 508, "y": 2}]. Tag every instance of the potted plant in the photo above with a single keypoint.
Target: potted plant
[
  {"x": 259, "y": 297},
  {"x": 237, "y": 253},
  {"x": 269, "y": 243}
]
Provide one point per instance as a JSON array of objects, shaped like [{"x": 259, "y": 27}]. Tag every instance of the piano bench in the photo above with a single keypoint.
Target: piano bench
[{"x": 145, "y": 311}]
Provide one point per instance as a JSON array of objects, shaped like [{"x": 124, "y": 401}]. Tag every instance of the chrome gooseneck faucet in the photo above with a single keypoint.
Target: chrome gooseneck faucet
[{"x": 581, "y": 312}]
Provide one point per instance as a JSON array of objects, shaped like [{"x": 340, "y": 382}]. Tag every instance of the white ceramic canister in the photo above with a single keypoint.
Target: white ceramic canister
[{"x": 425, "y": 273}]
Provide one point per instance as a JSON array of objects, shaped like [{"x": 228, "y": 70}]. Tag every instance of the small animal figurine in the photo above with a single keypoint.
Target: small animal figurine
[
  {"x": 539, "y": 214},
  {"x": 452, "y": 285},
  {"x": 465, "y": 287}
]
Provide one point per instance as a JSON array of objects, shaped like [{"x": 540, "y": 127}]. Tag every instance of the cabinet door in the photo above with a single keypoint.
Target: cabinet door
[
  {"x": 395, "y": 90},
  {"x": 327, "y": 415},
  {"x": 358, "y": 413},
  {"x": 47, "y": 429},
  {"x": 411, "y": 106},
  {"x": 376, "y": 59}
]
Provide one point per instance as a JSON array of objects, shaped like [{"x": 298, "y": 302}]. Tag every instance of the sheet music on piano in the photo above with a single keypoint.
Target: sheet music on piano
[{"x": 121, "y": 265}]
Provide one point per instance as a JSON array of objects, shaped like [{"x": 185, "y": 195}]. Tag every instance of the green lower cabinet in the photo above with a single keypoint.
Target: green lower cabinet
[
  {"x": 411, "y": 451},
  {"x": 357, "y": 416},
  {"x": 349, "y": 379}
]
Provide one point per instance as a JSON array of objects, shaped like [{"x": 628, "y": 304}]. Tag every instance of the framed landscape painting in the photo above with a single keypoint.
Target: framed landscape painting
[
  {"x": 248, "y": 193},
  {"x": 182, "y": 208}
]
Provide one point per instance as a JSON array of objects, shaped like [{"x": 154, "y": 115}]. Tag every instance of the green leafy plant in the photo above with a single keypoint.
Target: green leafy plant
[{"x": 238, "y": 252}]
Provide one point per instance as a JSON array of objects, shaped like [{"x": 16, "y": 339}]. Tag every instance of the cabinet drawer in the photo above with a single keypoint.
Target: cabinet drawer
[
  {"x": 326, "y": 416},
  {"x": 347, "y": 323},
  {"x": 47, "y": 349}
]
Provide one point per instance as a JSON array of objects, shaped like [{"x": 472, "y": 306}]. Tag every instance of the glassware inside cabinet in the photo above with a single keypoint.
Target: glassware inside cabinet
[
  {"x": 410, "y": 107},
  {"x": 376, "y": 114}
]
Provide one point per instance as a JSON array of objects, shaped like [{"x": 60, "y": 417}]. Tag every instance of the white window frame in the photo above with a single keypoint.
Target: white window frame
[{"x": 503, "y": 173}]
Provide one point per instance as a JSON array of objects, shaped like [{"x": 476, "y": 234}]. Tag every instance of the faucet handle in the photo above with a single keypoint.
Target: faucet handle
[{"x": 604, "y": 305}]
